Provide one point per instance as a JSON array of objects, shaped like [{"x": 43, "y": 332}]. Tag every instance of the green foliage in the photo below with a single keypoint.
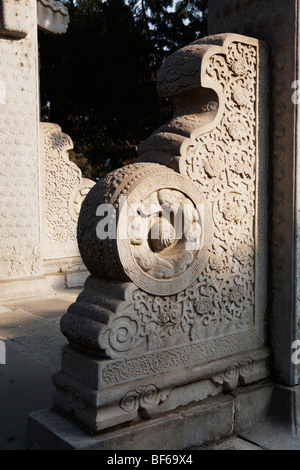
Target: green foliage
[{"x": 98, "y": 80}]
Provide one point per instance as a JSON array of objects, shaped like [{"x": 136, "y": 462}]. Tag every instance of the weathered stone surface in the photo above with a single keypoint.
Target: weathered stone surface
[
  {"x": 285, "y": 408},
  {"x": 278, "y": 24},
  {"x": 171, "y": 319},
  {"x": 176, "y": 431},
  {"x": 15, "y": 18},
  {"x": 63, "y": 191},
  {"x": 270, "y": 435},
  {"x": 119, "y": 320},
  {"x": 218, "y": 131},
  {"x": 104, "y": 393},
  {"x": 252, "y": 405},
  {"x": 53, "y": 16},
  {"x": 18, "y": 289},
  {"x": 21, "y": 197},
  {"x": 232, "y": 443}
]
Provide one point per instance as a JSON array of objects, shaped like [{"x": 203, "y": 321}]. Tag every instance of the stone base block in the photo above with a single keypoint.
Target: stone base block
[
  {"x": 252, "y": 404},
  {"x": 188, "y": 427},
  {"x": 103, "y": 393}
]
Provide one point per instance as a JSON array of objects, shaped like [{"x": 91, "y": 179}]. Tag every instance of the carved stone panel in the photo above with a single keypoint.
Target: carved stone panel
[
  {"x": 53, "y": 16},
  {"x": 174, "y": 313},
  {"x": 63, "y": 190}
]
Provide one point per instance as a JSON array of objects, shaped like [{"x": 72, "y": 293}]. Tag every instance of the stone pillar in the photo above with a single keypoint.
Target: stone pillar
[
  {"x": 277, "y": 23},
  {"x": 20, "y": 233},
  {"x": 174, "y": 310}
]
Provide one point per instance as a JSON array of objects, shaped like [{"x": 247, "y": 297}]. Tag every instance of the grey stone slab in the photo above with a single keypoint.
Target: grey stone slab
[
  {"x": 76, "y": 279},
  {"x": 277, "y": 23},
  {"x": 181, "y": 430},
  {"x": 285, "y": 407},
  {"x": 30, "y": 330}
]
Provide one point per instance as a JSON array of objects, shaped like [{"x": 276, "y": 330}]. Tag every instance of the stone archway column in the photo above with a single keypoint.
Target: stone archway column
[{"x": 20, "y": 234}]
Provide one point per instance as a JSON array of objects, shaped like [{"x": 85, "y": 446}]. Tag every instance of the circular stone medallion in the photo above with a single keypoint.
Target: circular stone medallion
[{"x": 163, "y": 230}]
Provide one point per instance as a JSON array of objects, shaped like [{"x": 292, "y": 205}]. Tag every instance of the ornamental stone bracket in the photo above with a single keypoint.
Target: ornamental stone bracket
[
  {"x": 173, "y": 313},
  {"x": 53, "y": 16}
]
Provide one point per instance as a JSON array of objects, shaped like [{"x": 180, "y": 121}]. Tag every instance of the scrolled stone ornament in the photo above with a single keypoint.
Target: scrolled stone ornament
[
  {"x": 135, "y": 225},
  {"x": 123, "y": 333}
]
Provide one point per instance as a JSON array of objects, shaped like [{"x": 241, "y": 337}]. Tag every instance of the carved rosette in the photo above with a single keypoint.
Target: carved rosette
[{"x": 157, "y": 236}]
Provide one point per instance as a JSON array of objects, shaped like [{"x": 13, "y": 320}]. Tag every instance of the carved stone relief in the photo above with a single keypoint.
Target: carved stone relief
[
  {"x": 218, "y": 149},
  {"x": 145, "y": 399},
  {"x": 169, "y": 304},
  {"x": 64, "y": 190},
  {"x": 20, "y": 237},
  {"x": 53, "y": 16},
  {"x": 159, "y": 237},
  {"x": 206, "y": 281}
]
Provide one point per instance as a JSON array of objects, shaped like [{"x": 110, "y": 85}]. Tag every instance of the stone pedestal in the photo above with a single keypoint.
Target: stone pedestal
[
  {"x": 208, "y": 420},
  {"x": 174, "y": 310}
]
